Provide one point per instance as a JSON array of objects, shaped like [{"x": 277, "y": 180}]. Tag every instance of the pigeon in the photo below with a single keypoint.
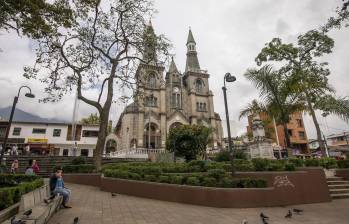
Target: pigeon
[
  {"x": 76, "y": 220},
  {"x": 244, "y": 221},
  {"x": 13, "y": 220},
  {"x": 28, "y": 213},
  {"x": 113, "y": 194},
  {"x": 263, "y": 216},
  {"x": 289, "y": 214},
  {"x": 265, "y": 221},
  {"x": 47, "y": 201},
  {"x": 298, "y": 211}
]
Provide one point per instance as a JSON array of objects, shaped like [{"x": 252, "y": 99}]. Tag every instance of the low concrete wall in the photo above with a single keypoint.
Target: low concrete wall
[
  {"x": 342, "y": 173},
  {"x": 9, "y": 212},
  {"x": 91, "y": 179},
  {"x": 303, "y": 186}
]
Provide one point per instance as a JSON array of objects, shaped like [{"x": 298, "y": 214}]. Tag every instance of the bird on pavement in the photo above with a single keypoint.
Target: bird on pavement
[
  {"x": 244, "y": 221},
  {"x": 76, "y": 220},
  {"x": 263, "y": 216},
  {"x": 28, "y": 213},
  {"x": 265, "y": 221},
  {"x": 289, "y": 214},
  {"x": 298, "y": 211},
  {"x": 113, "y": 194},
  {"x": 13, "y": 219}
]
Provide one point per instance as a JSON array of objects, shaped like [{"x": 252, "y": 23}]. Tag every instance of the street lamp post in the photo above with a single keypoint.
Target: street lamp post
[
  {"x": 15, "y": 100},
  {"x": 228, "y": 78}
]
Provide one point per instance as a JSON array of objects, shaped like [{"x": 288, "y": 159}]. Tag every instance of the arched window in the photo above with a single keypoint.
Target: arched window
[
  {"x": 133, "y": 143},
  {"x": 176, "y": 98},
  {"x": 199, "y": 85},
  {"x": 151, "y": 82},
  {"x": 151, "y": 101}
]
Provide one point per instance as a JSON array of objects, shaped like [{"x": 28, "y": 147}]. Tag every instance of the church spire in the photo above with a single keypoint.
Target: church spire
[
  {"x": 149, "y": 41},
  {"x": 173, "y": 67},
  {"x": 192, "y": 63}
]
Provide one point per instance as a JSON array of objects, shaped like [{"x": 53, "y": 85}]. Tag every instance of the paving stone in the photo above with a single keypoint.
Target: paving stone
[{"x": 93, "y": 206}]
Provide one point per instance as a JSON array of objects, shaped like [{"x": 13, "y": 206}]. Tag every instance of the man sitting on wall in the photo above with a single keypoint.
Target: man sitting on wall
[{"x": 57, "y": 187}]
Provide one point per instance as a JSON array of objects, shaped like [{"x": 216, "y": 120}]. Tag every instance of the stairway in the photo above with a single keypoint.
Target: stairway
[{"x": 339, "y": 187}]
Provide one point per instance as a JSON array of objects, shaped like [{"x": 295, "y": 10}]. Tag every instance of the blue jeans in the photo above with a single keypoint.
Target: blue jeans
[{"x": 64, "y": 192}]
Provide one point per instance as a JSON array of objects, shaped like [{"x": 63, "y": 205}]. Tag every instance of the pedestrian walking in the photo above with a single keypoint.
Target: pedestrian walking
[
  {"x": 14, "y": 166},
  {"x": 35, "y": 167}
]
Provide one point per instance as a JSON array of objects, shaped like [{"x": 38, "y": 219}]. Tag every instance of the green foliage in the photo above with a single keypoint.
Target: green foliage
[
  {"x": 297, "y": 162},
  {"x": 343, "y": 164},
  {"x": 164, "y": 179},
  {"x": 35, "y": 18},
  {"x": 83, "y": 168},
  {"x": 218, "y": 174},
  {"x": 328, "y": 163},
  {"x": 151, "y": 178},
  {"x": 209, "y": 182},
  {"x": 91, "y": 119},
  {"x": 260, "y": 164},
  {"x": 243, "y": 165},
  {"x": 188, "y": 141},
  {"x": 312, "y": 162},
  {"x": 78, "y": 161},
  {"x": 17, "y": 185},
  {"x": 290, "y": 167},
  {"x": 222, "y": 156},
  {"x": 239, "y": 154},
  {"x": 194, "y": 181},
  {"x": 176, "y": 179}
]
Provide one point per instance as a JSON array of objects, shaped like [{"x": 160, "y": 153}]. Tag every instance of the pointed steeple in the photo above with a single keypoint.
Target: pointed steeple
[
  {"x": 173, "y": 67},
  {"x": 149, "y": 41},
  {"x": 192, "y": 63},
  {"x": 190, "y": 37}
]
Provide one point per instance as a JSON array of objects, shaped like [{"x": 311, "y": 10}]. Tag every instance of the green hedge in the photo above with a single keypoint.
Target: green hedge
[
  {"x": 17, "y": 186},
  {"x": 343, "y": 164},
  {"x": 82, "y": 168}
]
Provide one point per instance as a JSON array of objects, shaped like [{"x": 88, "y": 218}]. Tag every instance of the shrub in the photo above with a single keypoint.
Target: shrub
[
  {"x": 222, "y": 156},
  {"x": 216, "y": 173},
  {"x": 227, "y": 183},
  {"x": 176, "y": 180},
  {"x": 164, "y": 179},
  {"x": 193, "y": 181},
  {"x": 276, "y": 165},
  {"x": 78, "y": 161},
  {"x": 198, "y": 164},
  {"x": 82, "y": 168},
  {"x": 328, "y": 163},
  {"x": 312, "y": 162},
  {"x": 209, "y": 182},
  {"x": 156, "y": 171},
  {"x": 260, "y": 164},
  {"x": 343, "y": 164},
  {"x": 290, "y": 167},
  {"x": 151, "y": 178},
  {"x": 12, "y": 194},
  {"x": 240, "y": 154},
  {"x": 134, "y": 176},
  {"x": 243, "y": 165},
  {"x": 297, "y": 162}
]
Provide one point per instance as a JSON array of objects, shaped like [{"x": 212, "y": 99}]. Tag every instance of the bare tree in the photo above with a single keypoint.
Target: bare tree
[{"x": 101, "y": 51}]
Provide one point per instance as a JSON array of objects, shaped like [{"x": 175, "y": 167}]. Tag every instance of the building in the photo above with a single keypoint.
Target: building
[
  {"x": 340, "y": 139},
  {"x": 296, "y": 131},
  {"x": 166, "y": 102},
  {"x": 51, "y": 138}
]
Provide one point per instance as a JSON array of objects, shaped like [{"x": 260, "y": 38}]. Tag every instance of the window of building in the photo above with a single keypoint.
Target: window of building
[
  {"x": 89, "y": 133},
  {"x": 201, "y": 107},
  {"x": 65, "y": 152},
  {"x": 84, "y": 152},
  {"x": 176, "y": 98},
  {"x": 300, "y": 123},
  {"x": 289, "y": 132},
  {"x": 39, "y": 131},
  {"x": 151, "y": 101},
  {"x": 16, "y": 131},
  {"x": 151, "y": 82},
  {"x": 199, "y": 85},
  {"x": 56, "y": 132},
  {"x": 301, "y": 135}
]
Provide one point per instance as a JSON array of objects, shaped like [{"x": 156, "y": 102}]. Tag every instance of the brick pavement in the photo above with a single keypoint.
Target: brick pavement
[{"x": 93, "y": 206}]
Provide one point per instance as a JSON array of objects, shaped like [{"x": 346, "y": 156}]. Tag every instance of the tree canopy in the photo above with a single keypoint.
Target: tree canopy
[
  {"x": 188, "y": 141},
  {"x": 91, "y": 119}
]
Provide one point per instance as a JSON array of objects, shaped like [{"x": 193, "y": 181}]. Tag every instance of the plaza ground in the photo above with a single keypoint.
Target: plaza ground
[{"x": 93, "y": 206}]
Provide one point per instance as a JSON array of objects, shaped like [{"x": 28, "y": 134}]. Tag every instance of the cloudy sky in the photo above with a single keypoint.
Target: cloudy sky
[{"x": 229, "y": 34}]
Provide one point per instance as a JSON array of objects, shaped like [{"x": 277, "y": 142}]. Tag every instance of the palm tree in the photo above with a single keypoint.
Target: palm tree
[{"x": 277, "y": 94}]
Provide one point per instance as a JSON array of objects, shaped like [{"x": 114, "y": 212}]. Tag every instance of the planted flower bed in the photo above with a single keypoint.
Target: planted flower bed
[{"x": 12, "y": 187}]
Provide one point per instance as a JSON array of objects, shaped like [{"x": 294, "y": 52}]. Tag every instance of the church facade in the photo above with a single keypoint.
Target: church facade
[{"x": 169, "y": 98}]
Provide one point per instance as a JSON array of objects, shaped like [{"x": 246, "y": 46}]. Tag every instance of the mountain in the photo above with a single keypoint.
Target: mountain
[{"x": 21, "y": 115}]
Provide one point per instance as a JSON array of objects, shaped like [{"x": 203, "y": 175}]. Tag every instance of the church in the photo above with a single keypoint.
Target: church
[{"x": 168, "y": 99}]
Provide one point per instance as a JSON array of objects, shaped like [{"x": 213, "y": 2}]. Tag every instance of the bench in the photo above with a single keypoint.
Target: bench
[{"x": 41, "y": 212}]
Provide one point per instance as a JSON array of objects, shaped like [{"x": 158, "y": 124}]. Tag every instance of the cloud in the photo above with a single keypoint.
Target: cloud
[{"x": 229, "y": 35}]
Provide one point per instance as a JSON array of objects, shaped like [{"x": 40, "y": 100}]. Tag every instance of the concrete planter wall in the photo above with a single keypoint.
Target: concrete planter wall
[
  {"x": 284, "y": 188},
  {"x": 91, "y": 179}
]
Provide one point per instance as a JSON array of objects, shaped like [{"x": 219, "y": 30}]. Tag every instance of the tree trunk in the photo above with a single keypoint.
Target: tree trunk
[
  {"x": 287, "y": 137},
  {"x": 317, "y": 126},
  {"x": 102, "y": 135}
]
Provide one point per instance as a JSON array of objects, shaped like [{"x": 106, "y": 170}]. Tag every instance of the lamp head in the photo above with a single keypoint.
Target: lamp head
[
  {"x": 30, "y": 95},
  {"x": 229, "y": 78}
]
